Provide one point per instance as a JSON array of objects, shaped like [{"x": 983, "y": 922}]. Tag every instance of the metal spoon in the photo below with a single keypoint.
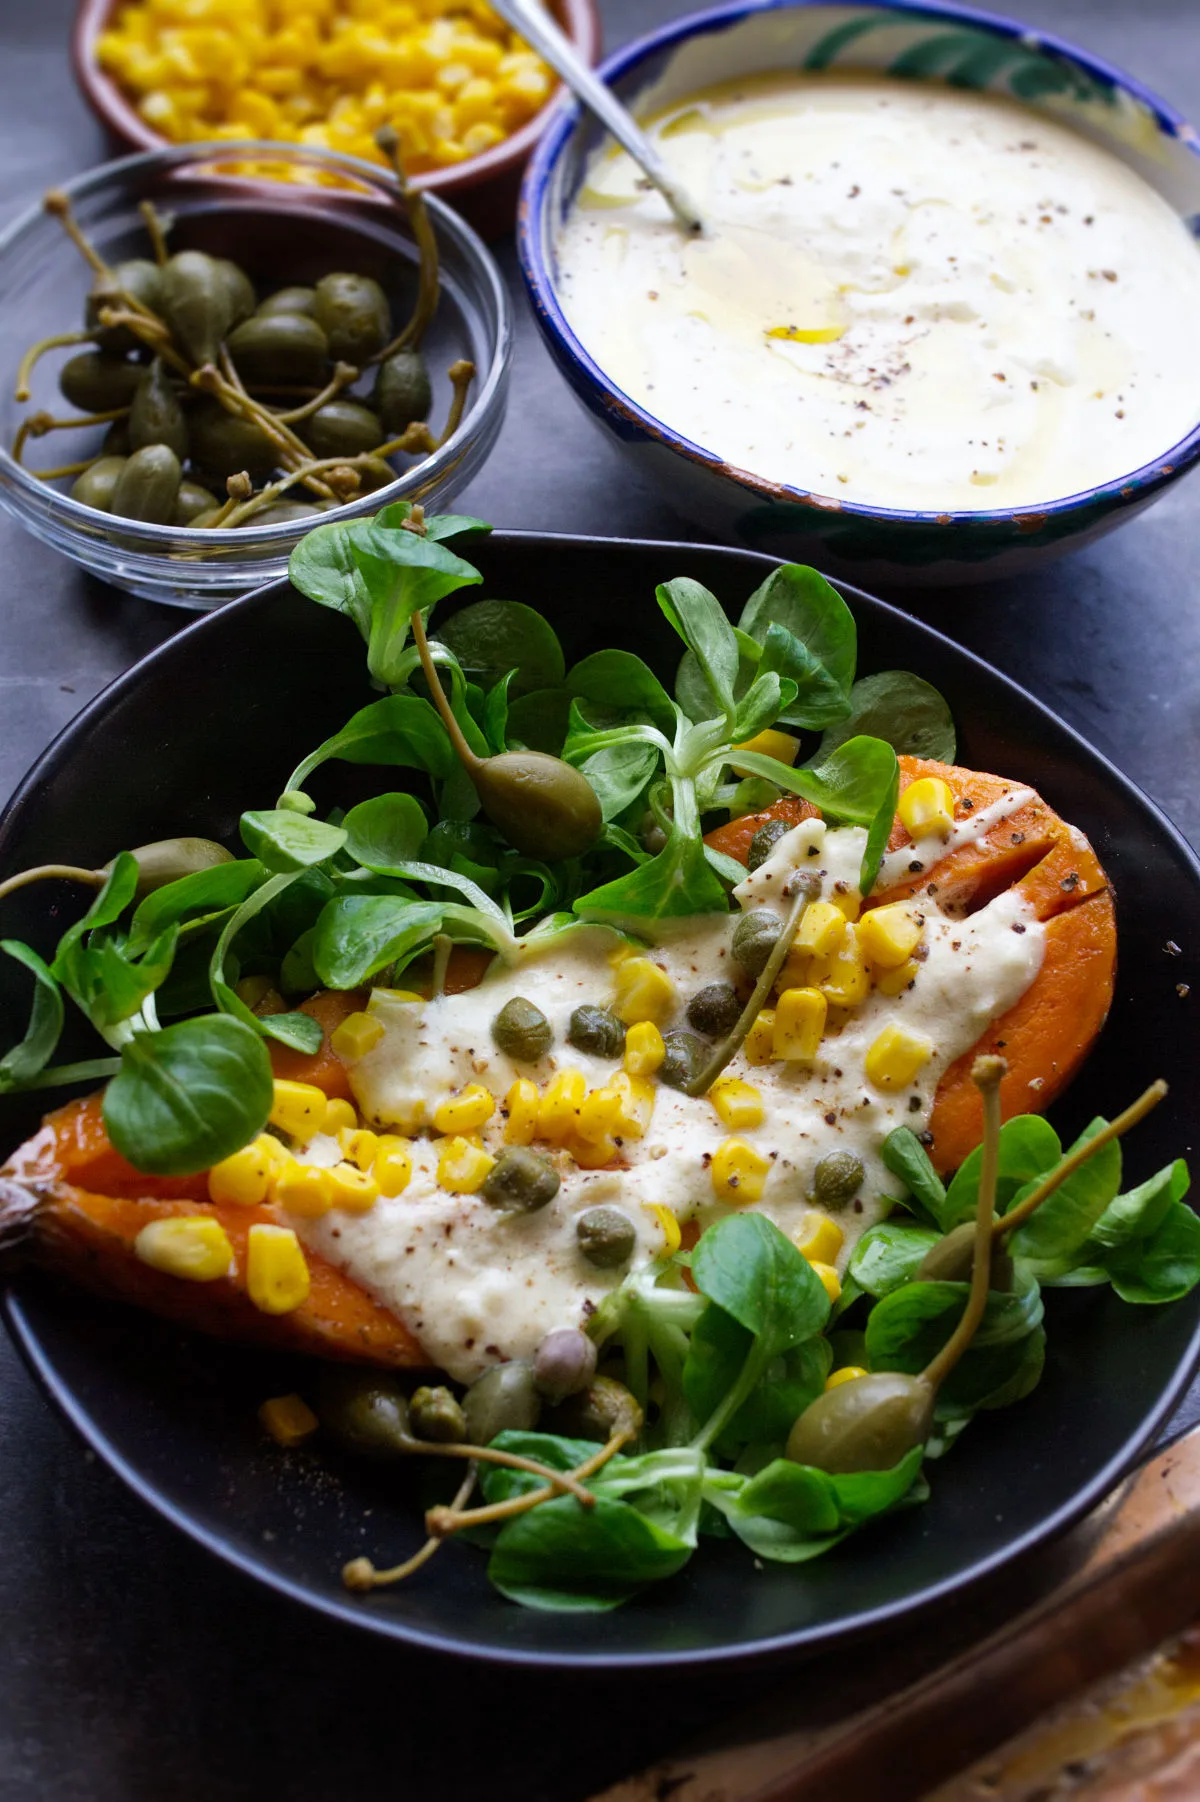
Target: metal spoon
[{"x": 543, "y": 35}]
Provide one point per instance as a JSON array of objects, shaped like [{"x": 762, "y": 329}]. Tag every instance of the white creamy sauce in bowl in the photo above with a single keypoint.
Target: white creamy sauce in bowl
[
  {"x": 477, "y": 1285},
  {"x": 912, "y": 296}
]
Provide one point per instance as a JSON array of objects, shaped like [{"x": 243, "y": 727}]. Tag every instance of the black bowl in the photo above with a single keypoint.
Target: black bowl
[{"x": 211, "y": 724}]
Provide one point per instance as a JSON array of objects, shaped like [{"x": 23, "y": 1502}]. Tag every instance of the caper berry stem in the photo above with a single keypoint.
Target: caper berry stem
[
  {"x": 38, "y": 424},
  {"x": 987, "y": 1074},
  {"x": 57, "y": 341},
  {"x": 150, "y": 330},
  {"x": 156, "y": 231},
  {"x": 343, "y": 375},
  {"x": 53, "y": 872},
  {"x": 64, "y": 469},
  {"x": 361, "y": 1574},
  {"x": 442, "y": 947},
  {"x": 1136, "y": 1111},
  {"x": 466, "y": 756},
  {"x": 731, "y": 1044},
  {"x": 461, "y": 374},
  {"x": 56, "y": 203},
  {"x": 442, "y": 1522},
  {"x": 428, "y": 277}
]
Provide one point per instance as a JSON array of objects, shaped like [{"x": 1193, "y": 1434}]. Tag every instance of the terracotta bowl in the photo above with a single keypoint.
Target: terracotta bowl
[{"x": 484, "y": 189}]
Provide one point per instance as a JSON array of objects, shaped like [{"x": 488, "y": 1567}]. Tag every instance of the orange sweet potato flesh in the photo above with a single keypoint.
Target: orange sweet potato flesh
[{"x": 1047, "y": 1034}]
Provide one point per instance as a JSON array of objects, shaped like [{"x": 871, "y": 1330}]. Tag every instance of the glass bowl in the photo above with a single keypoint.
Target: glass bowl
[{"x": 329, "y": 212}]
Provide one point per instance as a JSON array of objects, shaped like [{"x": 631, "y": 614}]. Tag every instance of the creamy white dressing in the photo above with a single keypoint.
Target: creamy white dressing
[
  {"x": 476, "y": 1285},
  {"x": 973, "y": 305}
]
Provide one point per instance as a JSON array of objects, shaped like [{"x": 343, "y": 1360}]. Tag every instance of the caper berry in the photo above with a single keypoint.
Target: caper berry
[
  {"x": 282, "y": 513},
  {"x": 191, "y": 502},
  {"x": 543, "y": 806},
  {"x": 156, "y": 417},
  {"x": 342, "y": 428},
  {"x": 869, "y": 1424},
  {"x": 224, "y": 443},
  {"x": 715, "y": 1010},
  {"x": 148, "y": 485},
  {"x": 606, "y": 1237},
  {"x": 521, "y": 1179},
  {"x": 96, "y": 486},
  {"x": 137, "y": 279},
  {"x": 754, "y": 939},
  {"x": 504, "y": 1399},
  {"x": 288, "y": 300},
  {"x": 597, "y": 1030},
  {"x": 685, "y": 1054},
  {"x": 521, "y": 1031},
  {"x": 284, "y": 350},
  {"x": 837, "y": 1179},
  {"x": 365, "y": 1411},
  {"x": 435, "y": 1414},
  {"x": 239, "y": 288},
  {"x": 96, "y": 382},
  {"x": 115, "y": 442},
  {"x": 651, "y": 834},
  {"x": 198, "y": 302},
  {"x": 564, "y": 1363},
  {"x": 763, "y": 844},
  {"x": 600, "y": 1411},
  {"x": 167, "y": 859},
  {"x": 950, "y": 1260},
  {"x": 402, "y": 391},
  {"x": 352, "y": 310}
]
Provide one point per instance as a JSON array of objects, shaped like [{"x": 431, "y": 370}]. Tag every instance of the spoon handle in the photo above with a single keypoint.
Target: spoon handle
[{"x": 542, "y": 34}]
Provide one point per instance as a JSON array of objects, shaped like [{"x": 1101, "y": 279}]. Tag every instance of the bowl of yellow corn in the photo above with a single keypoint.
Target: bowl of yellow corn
[{"x": 464, "y": 94}]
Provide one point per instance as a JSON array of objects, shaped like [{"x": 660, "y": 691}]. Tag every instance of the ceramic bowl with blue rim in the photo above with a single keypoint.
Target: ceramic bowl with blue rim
[{"x": 949, "y": 43}]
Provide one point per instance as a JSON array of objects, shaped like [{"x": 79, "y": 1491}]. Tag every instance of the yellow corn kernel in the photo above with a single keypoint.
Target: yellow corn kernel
[
  {"x": 406, "y": 997},
  {"x": 392, "y": 1168},
  {"x": 843, "y": 977},
  {"x": 360, "y": 1146},
  {"x": 462, "y": 1166},
  {"x": 354, "y": 1191},
  {"x": 848, "y": 902},
  {"x": 894, "y": 982},
  {"x": 599, "y": 1113},
  {"x": 288, "y": 1419},
  {"x": 672, "y": 1237},
  {"x": 465, "y": 1112},
  {"x": 192, "y": 1246},
  {"x": 643, "y": 991},
  {"x": 298, "y": 1109},
  {"x": 739, "y": 1104},
  {"x": 340, "y": 1117},
  {"x": 793, "y": 973},
  {"x": 927, "y": 807},
  {"x": 849, "y": 1373},
  {"x": 521, "y": 1106},
  {"x": 780, "y": 745},
  {"x": 821, "y": 930},
  {"x": 644, "y": 1049},
  {"x": 635, "y": 1096},
  {"x": 831, "y": 1282},
  {"x": 245, "y": 1177},
  {"x": 818, "y": 1239},
  {"x": 800, "y": 1016},
  {"x": 303, "y": 1189},
  {"x": 558, "y": 1110},
  {"x": 357, "y": 1034},
  {"x": 896, "y": 1057},
  {"x": 481, "y": 136},
  {"x": 739, "y": 1174},
  {"x": 759, "y": 1043},
  {"x": 275, "y": 1151},
  {"x": 277, "y": 1277},
  {"x": 592, "y": 1154},
  {"x": 889, "y": 935}
]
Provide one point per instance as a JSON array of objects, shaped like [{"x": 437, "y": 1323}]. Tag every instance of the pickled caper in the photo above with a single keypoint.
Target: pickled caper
[
  {"x": 288, "y": 300},
  {"x": 521, "y": 1179},
  {"x": 600, "y": 1411},
  {"x": 224, "y": 443},
  {"x": 763, "y": 844},
  {"x": 342, "y": 428},
  {"x": 198, "y": 302},
  {"x": 606, "y": 1236},
  {"x": 96, "y": 486},
  {"x": 754, "y": 939},
  {"x": 140, "y": 280},
  {"x": 504, "y": 1399},
  {"x": 521, "y": 1031},
  {"x": 868, "y": 1424},
  {"x": 715, "y": 1010},
  {"x": 191, "y": 503},
  {"x": 837, "y": 1179},
  {"x": 147, "y": 486},
  {"x": 685, "y": 1054},
  {"x": 352, "y": 310},
  {"x": 283, "y": 350},
  {"x": 597, "y": 1030},
  {"x": 156, "y": 416},
  {"x": 95, "y": 382},
  {"x": 365, "y": 1410},
  {"x": 949, "y": 1261},
  {"x": 434, "y": 1413},
  {"x": 402, "y": 391},
  {"x": 564, "y": 1363}
]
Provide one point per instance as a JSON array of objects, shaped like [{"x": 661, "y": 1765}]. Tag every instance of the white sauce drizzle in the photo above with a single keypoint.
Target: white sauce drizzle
[{"x": 899, "y": 863}]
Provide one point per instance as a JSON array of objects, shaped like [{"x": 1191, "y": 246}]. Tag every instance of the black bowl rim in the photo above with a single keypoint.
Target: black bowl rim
[{"x": 804, "y": 1640}]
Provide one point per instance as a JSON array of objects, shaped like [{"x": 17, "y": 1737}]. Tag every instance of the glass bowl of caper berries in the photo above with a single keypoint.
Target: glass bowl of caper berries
[{"x": 208, "y": 349}]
